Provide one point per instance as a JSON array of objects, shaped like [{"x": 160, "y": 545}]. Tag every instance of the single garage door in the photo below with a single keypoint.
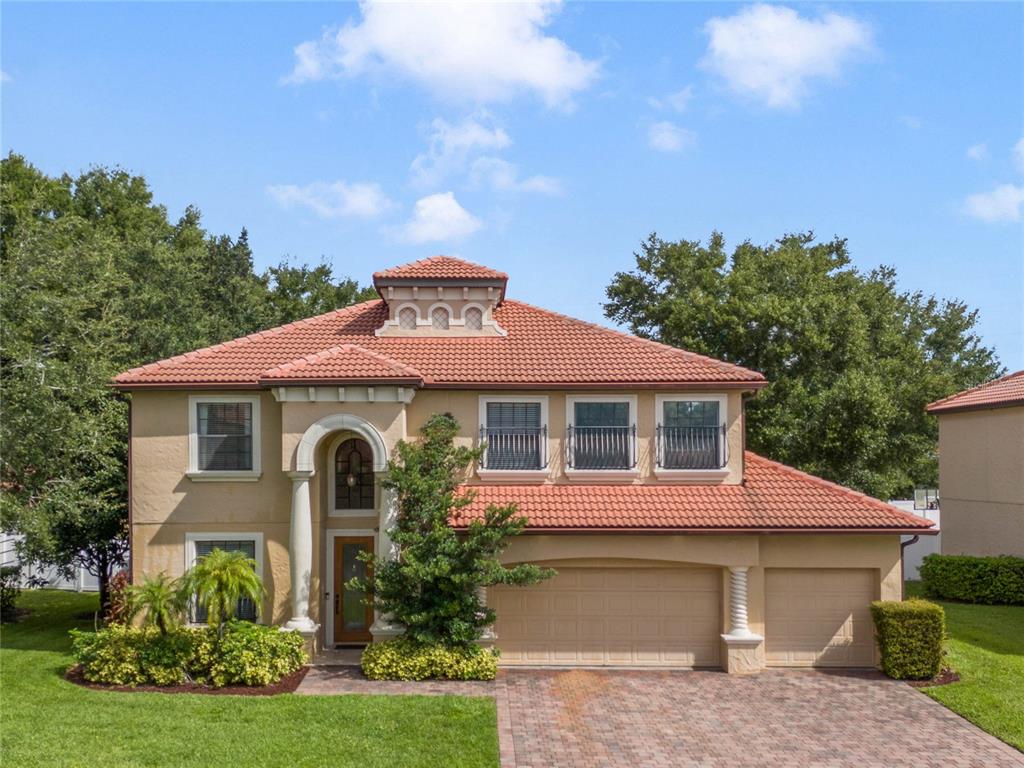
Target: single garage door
[
  {"x": 819, "y": 617},
  {"x": 613, "y": 616}
]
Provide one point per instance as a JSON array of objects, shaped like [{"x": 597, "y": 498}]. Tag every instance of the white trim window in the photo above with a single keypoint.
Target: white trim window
[
  {"x": 351, "y": 479},
  {"x": 199, "y": 545},
  {"x": 601, "y": 435},
  {"x": 514, "y": 431},
  {"x": 691, "y": 434},
  {"x": 224, "y": 437}
]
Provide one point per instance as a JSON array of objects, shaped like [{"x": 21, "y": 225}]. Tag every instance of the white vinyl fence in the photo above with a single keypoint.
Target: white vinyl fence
[
  {"x": 82, "y": 580},
  {"x": 925, "y": 545}
]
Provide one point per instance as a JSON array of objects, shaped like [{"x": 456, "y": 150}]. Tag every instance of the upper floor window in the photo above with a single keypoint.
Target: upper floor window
[
  {"x": 515, "y": 433},
  {"x": 601, "y": 433},
  {"x": 407, "y": 319},
  {"x": 224, "y": 436},
  {"x": 691, "y": 433},
  {"x": 439, "y": 318},
  {"x": 353, "y": 475},
  {"x": 474, "y": 319}
]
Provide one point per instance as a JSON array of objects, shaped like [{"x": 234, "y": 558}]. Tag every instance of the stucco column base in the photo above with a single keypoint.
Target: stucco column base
[
  {"x": 310, "y": 635},
  {"x": 743, "y": 653},
  {"x": 382, "y": 629}
]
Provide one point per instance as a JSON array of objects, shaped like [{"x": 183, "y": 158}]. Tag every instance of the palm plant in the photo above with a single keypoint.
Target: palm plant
[
  {"x": 159, "y": 597},
  {"x": 218, "y": 581}
]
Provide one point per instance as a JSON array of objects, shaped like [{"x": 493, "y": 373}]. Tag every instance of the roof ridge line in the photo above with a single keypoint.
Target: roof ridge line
[
  {"x": 659, "y": 345},
  {"x": 961, "y": 393},
  {"x": 247, "y": 339}
]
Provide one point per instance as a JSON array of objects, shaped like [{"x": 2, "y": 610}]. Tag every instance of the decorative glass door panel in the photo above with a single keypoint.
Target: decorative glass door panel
[{"x": 352, "y": 616}]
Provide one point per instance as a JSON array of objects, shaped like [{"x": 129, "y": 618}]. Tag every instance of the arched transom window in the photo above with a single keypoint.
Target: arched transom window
[
  {"x": 439, "y": 318},
  {"x": 474, "y": 319},
  {"x": 353, "y": 475},
  {"x": 407, "y": 319}
]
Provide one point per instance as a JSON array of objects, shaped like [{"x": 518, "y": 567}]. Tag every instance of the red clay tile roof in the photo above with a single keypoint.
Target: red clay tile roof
[
  {"x": 542, "y": 349},
  {"x": 1008, "y": 390},
  {"x": 440, "y": 268},
  {"x": 347, "y": 362},
  {"x": 773, "y": 497}
]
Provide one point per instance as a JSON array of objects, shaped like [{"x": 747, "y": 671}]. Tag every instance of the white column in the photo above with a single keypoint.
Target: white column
[
  {"x": 738, "y": 602},
  {"x": 383, "y": 627},
  {"x": 487, "y": 636},
  {"x": 301, "y": 552}
]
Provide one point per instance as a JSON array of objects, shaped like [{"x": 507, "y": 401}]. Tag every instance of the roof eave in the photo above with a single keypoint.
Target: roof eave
[
  {"x": 937, "y": 410},
  {"x": 618, "y": 385},
  {"x": 403, "y": 381},
  {"x": 761, "y": 531}
]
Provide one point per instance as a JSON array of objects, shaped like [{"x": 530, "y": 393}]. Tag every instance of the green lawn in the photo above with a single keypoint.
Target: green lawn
[
  {"x": 46, "y": 721},
  {"x": 986, "y": 646}
]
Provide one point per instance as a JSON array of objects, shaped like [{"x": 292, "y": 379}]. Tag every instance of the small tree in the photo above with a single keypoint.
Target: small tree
[
  {"x": 432, "y": 587},
  {"x": 218, "y": 581},
  {"x": 160, "y": 598}
]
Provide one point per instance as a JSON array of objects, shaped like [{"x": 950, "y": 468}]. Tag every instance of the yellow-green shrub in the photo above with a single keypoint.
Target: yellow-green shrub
[
  {"x": 910, "y": 636},
  {"x": 248, "y": 654},
  {"x": 405, "y": 659}
]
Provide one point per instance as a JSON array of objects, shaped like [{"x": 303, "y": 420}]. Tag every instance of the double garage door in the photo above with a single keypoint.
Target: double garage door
[
  {"x": 672, "y": 617},
  {"x": 613, "y": 616}
]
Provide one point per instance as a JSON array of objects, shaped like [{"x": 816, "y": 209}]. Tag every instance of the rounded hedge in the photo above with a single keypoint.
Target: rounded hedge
[
  {"x": 986, "y": 580},
  {"x": 406, "y": 659},
  {"x": 248, "y": 654}
]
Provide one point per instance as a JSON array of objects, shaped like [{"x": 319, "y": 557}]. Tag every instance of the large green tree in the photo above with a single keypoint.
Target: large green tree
[
  {"x": 94, "y": 279},
  {"x": 851, "y": 360}
]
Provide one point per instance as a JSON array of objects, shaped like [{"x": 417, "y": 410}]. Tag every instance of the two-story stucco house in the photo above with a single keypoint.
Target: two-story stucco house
[
  {"x": 674, "y": 546},
  {"x": 981, "y": 468}
]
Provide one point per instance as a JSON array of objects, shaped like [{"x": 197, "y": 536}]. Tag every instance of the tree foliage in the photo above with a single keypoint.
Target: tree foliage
[
  {"x": 218, "y": 581},
  {"x": 95, "y": 279},
  {"x": 432, "y": 587},
  {"x": 851, "y": 360}
]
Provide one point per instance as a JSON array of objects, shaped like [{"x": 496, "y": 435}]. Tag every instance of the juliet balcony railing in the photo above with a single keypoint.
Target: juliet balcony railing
[
  {"x": 692, "y": 447},
  {"x": 601, "y": 447},
  {"x": 514, "y": 448}
]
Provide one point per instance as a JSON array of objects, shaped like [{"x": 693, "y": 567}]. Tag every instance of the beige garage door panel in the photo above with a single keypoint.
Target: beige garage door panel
[
  {"x": 819, "y": 617},
  {"x": 604, "y": 616}
]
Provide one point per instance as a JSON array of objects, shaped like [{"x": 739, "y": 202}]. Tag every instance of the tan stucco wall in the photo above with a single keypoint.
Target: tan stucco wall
[
  {"x": 880, "y": 553},
  {"x": 981, "y": 481}
]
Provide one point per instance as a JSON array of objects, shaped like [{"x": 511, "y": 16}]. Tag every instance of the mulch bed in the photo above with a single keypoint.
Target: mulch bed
[
  {"x": 286, "y": 684},
  {"x": 945, "y": 677}
]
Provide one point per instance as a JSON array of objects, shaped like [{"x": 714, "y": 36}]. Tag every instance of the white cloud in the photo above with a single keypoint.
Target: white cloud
[
  {"x": 677, "y": 101},
  {"x": 504, "y": 176},
  {"x": 4, "y": 77},
  {"x": 452, "y": 145},
  {"x": 333, "y": 200},
  {"x": 669, "y": 137},
  {"x": 911, "y": 122},
  {"x": 438, "y": 218},
  {"x": 481, "y": 51},
  {"x": 1001, "y": 204},
  {"x": 770, "y": 52},
  {"x": 977, "y": 151},
  {"x": 1018, "y": 155}
]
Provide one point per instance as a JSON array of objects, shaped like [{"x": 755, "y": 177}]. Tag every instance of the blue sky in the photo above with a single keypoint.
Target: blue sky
[{"x": 546, "y": 139}]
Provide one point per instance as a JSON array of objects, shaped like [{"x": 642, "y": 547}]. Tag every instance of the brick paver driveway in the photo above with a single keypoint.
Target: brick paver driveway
[{"x": 777, "y": 718}]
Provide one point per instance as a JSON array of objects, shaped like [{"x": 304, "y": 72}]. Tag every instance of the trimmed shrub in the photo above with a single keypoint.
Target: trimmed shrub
[
  {"x": 910, "y": 636},
  {"x": 406, "y": 659},
  {"x": 987, "y": 580},
  {"x": 248, "y": 654}
]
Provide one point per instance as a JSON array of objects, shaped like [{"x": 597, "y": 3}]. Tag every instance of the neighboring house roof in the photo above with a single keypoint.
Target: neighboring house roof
[
  {"x": 1003, "y": 392},
  {"x": 440, "y": 268},
  {"x": 349, "y": 362},
  {"x": 773, "y": 497},
  {"x": 541, "y": 349}
]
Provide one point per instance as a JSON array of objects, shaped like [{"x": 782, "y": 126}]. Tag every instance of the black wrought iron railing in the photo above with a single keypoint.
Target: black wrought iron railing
[
  {"x": 692, "y": 447},
  {"x": 514, "y": 448},
  {"x": 601, "y": 447}
]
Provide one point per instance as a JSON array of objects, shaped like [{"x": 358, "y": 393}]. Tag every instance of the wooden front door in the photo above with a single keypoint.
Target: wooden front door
[{"x": 352, "y": 617}]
